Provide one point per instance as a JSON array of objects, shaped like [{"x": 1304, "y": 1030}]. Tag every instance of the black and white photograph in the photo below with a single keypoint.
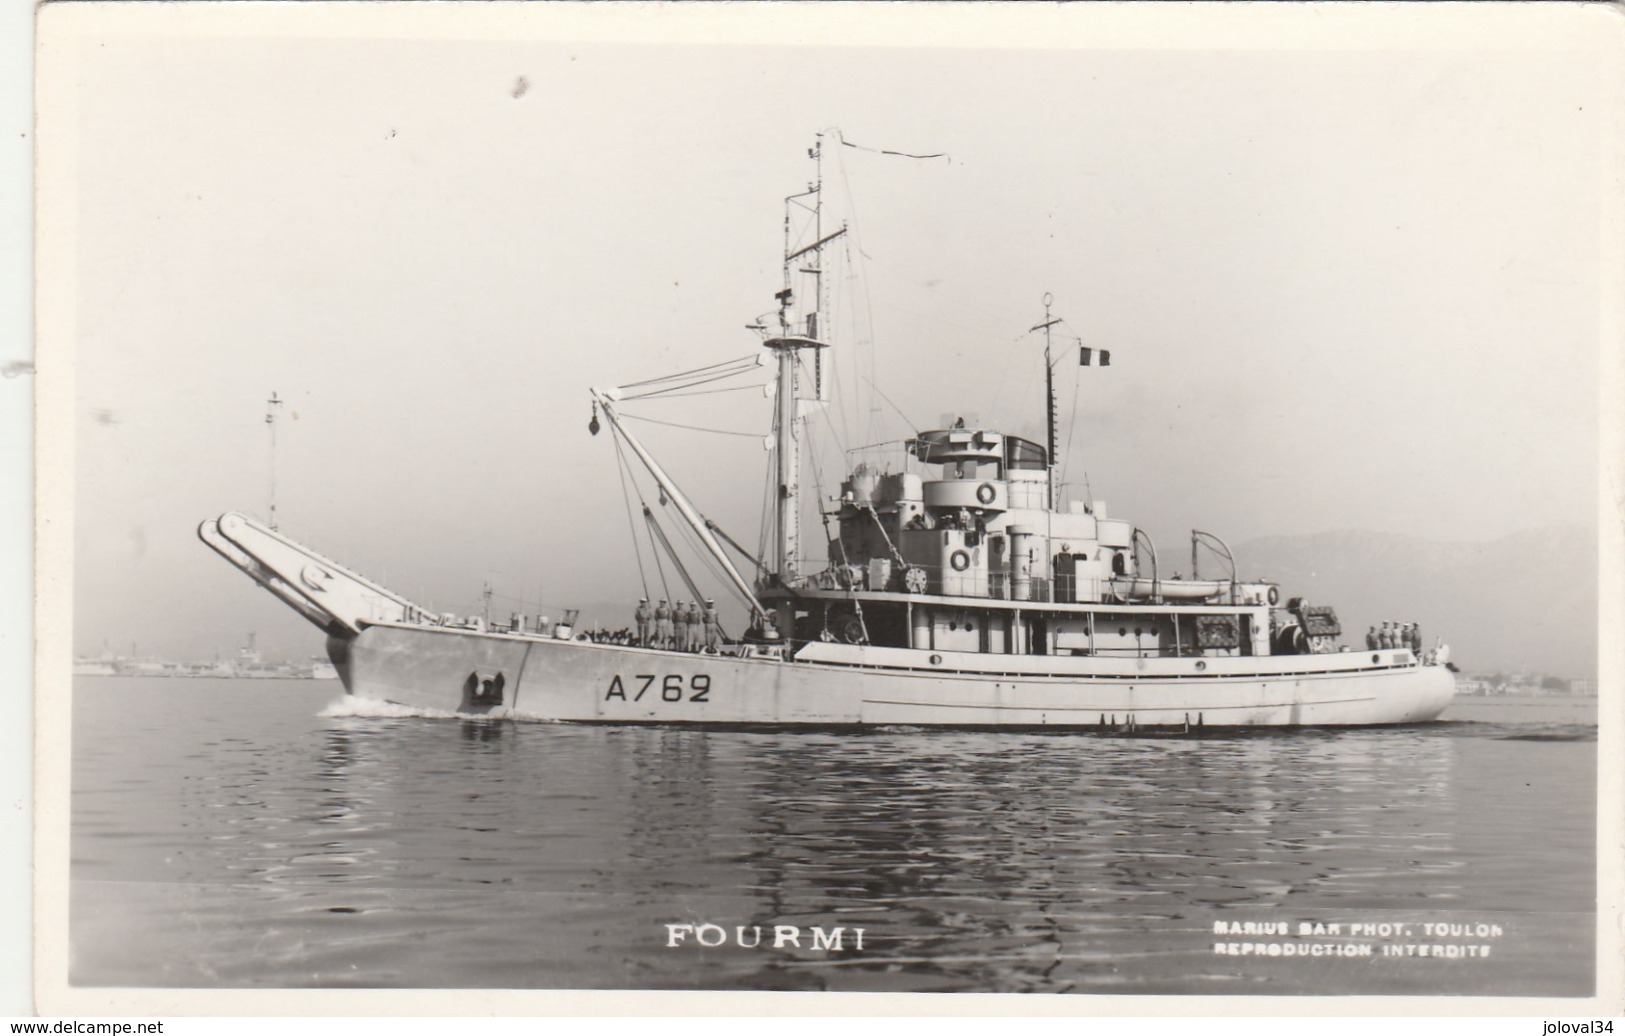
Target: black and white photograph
[{"x": 1102, "y": 502}]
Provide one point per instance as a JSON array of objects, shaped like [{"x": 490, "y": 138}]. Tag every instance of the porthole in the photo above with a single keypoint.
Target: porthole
[
  {"x": 1376, "y": 658},
  {"x": 1122, "y": 631},
  {"x": 936, "y": 659},
  {"x": 1200, "y": 665}
]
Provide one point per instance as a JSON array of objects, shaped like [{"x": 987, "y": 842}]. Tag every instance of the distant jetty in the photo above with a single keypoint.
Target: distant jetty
[
  {"x": 246, "y": 665},
  {"x": 1565, "y": 709}
]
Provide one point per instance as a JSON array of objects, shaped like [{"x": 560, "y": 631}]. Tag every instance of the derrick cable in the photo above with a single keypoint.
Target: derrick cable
[
  {"x": 835, "y": 434},
  {"x": 654, "y": 529},
  {"x": 1004, "y": 375},
  {"x": 860, "y": 279},
  {"x": 840, "y": 398},
  {"x": 877, "y": 445},
  {"x": 689, "y": 384},
  {"x": 902, "y": 563},
  {"x": 675, "y": 394},
  {"x": 691, "y": 539},
  {"x": 689, "y": 373},
  {"x": 833, "y": 431},
  {"x": 654, "y": 553},
  {"x": 1072, "y": 421},
  {"x": 857, "y": 276},
  {"x": 818, "y": 493},
  {"x": 692, "y": 427},
  {"x": 637, "y": 551},
  {"x": 664, "y": 586},
  {"x": 671, "y": 552},
  {"x": 1072, "y": 424},
  {"x": 912, "y": 426},
  {"x": 764, "y": 533}
]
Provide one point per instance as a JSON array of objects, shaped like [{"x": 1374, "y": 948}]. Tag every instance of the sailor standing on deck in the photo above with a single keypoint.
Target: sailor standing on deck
[
  {"x": 663, "y": 625},
  {"x": 679, "y": 619},
  {"x": 713, "y": 626},
  {"x": 641, "y": 617},
  {"x": 1385, "y": 636},
  {"x": 694, "y": 631},
  {"x": 1371, "y": 639}
]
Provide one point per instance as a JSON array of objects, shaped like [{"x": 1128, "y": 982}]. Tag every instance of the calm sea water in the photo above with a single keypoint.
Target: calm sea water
[{"x": 262, "y": 834}]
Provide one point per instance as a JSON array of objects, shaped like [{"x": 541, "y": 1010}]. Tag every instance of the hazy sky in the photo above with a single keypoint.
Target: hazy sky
[{"x": 1344, "y": 287}]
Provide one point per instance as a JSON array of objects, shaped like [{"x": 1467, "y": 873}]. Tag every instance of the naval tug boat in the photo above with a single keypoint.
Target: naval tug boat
[{"x": 961, "y": 591}]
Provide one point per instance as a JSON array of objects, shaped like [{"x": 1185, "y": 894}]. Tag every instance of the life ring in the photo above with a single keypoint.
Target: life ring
[
  {"x": 986, "y": 493},
  {"x": 1274, "y": 596},
  {"x": 959, "y": 560}
]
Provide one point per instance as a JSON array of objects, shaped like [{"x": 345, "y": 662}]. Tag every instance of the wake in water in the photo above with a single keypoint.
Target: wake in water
[{"x": 351, "y": 707}]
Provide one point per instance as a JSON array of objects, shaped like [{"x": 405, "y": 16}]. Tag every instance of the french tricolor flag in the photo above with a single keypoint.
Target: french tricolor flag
[{"x": 1105, "y": 356}]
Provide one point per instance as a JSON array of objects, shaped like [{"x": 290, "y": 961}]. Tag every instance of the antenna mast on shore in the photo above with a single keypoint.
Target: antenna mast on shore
[{"x": 271, "y": 407}]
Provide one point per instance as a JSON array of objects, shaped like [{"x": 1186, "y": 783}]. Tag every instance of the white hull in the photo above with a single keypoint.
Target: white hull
[{"x": 433, "y": 668}]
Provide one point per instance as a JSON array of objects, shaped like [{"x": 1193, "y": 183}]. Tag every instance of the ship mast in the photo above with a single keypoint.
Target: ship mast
[
  {"x": 1049, "y": 396},
  {"x": 795, "y": 337}
]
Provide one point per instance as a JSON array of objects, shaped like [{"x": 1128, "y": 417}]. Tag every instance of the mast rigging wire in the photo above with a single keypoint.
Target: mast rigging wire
[
  {"x": 671, "y": 552},
  {"x": 840, "y": 139},
  {"x": 912, "y": 426},
  {"x": 692, "y": 427},
  {"x": 688, "y": 384},
  {"x": 675, "y": 394},
  {"x": 637, "y": 551},
  {"x": 654, "y": 553},
  {"x": 750, "y": 360}
]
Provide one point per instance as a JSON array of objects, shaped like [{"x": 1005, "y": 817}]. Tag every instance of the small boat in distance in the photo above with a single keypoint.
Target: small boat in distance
[{"x": 959, "y": 591}]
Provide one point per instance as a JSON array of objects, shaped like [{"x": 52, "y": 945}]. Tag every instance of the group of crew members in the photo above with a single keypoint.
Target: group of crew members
[
  {"x": 1395, "y": 635},
  {"x": 684, "y": 627}
]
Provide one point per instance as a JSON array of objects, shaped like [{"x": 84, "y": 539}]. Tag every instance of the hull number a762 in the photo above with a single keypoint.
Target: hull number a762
[{"x": 670, "y": 687}]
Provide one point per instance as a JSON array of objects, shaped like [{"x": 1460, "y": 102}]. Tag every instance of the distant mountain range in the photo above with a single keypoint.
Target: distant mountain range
[{"x": 1527, "y": 601}]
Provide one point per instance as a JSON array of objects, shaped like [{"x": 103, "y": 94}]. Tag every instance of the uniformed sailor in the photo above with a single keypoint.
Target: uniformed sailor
[
  {"x": 1385, "y": 636},
  {"x": 713, "y": 627},
  {"x": 1414, "y": 638},
  {"x": 679, "y": 622},
  {"x": 663, "y": 625},
  {"x": 641, "y": 617},
  {"x": 1371, "y": 639},
  {"x": 695, "y": 630}
]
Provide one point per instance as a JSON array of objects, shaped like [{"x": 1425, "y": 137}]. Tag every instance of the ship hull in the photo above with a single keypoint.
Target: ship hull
[{"x": 460, "y": 671}]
